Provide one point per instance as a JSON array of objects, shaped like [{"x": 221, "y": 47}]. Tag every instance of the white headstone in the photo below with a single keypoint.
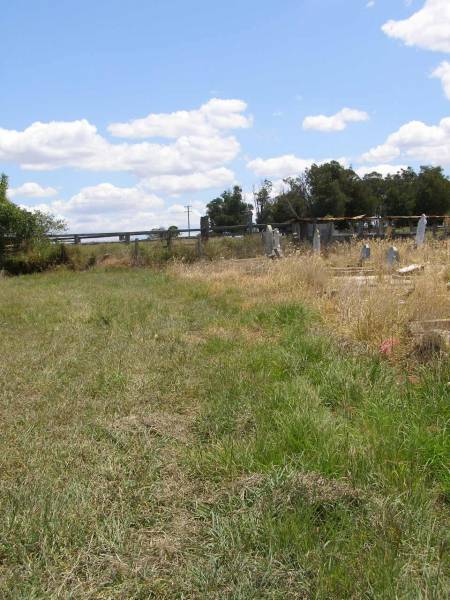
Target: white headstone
[
  {"x": 316, "y": 241},
  {"x": 392, "y": 256},
  {"x": 421, "y": 228},
  {"x": 277, "y": 243},
  {"x": 268, "y": 242},
  {"x": 365, "y": 252}
]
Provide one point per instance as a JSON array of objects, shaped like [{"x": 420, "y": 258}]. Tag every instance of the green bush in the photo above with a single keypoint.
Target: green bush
[
  {"x": 42, "y": 255},
  {"x": 20, "y": 229}
]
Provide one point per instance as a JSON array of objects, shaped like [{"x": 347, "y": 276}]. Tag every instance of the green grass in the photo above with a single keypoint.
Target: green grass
[
  {"x": 158, "y": 441},
  {"x": 42, "y": 256}
]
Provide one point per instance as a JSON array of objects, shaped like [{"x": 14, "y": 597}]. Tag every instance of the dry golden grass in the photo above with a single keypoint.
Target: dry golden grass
[{"x": 369, "y": 305}]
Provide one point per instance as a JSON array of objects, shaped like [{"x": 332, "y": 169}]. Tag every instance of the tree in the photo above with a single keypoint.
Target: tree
[
  {"x": 375, "y": 189},
  {"x": 336, "y": 191},
  {"x": 432, "y": 191},
  {"x": 3, "y": 187},
  {"x": 292, "y": 202},
  {"x": 263, "y": 202},
  {"x": 228, "y": 209},
  {"x": 24, "y": 225},
  {"x": 331, "y": 189},
  {"x": 400, "y": 198},
  {"x": 174, "y": 231}
]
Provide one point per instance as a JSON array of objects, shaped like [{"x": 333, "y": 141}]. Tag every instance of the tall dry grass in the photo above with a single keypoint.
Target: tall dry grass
[{"x": 368, "y": 306}]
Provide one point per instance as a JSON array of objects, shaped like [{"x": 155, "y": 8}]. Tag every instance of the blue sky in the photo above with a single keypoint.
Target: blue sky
[{"x": 116, "y": 114}]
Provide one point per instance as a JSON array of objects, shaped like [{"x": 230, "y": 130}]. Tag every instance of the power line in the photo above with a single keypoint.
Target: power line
[{"x": 188, "y": 210}]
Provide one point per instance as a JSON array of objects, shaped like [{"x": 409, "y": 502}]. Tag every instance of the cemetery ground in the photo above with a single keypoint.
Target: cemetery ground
[{"x": 225, "y": 430}]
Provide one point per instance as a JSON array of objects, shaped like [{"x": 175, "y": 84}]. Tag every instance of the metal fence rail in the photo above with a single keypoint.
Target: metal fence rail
[{"x": 331, "y": 229}]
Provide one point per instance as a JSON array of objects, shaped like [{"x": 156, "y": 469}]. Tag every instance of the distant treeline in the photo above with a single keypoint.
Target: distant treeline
[{"x": 333, "y": 190}]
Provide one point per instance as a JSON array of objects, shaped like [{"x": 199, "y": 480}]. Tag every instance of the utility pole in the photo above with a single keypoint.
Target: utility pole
[{"x": 188, "y": 210}]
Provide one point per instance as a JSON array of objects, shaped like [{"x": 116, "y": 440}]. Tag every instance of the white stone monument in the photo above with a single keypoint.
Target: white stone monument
[
  {"x": 316, "y": 241},
  {"x": 421, "y": 228},
  {"x": 277, "y": 243},
  {"x": 268, "y": 242}
]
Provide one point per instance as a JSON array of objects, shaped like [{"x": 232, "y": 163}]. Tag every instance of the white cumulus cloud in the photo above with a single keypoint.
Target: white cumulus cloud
[
  {"x": 428, "y": 28},
  {"x": 47, "y": 146},
  {"x": 193, "y": 158},
  {"x": 211, "y": 118},
  {"x": 442, "y": 72},
  {"x": 177, "y": 184},
  {"x": 383, "y": 169},
  {"x": 107, "y": 198},
  {"x": 279, "y": 166},
  {"x": 416, "y": 141},
  {"x": 336, "y": 122},
  {"x": 287, "y": 165},
  {"x": 32, "y": 190},
  {"x": 106, "y": 207}
]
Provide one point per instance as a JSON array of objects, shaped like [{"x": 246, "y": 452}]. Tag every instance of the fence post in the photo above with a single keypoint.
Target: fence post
[
  {"x": 136, "y": 251},
  {"x": 204, "y": 228},
  {"x": 446, "y": 225},
  {"x": 199, "y": 247}
]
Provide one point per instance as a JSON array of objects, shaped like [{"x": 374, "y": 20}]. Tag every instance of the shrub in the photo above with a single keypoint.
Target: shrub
[
  {"x": 40, "y": 256},
  {"x": 23, "y": 245}
]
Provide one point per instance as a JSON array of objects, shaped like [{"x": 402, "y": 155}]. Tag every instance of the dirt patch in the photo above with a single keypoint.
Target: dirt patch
[
  {"x": 161, "y": 424},
  {"x": 250, "y": 335},
  {"x": 108, "y": 260},
  {"x": 312, "y": 487},
  {"x": 316, "y": 488},
  {"x": 247, "y": 483}
]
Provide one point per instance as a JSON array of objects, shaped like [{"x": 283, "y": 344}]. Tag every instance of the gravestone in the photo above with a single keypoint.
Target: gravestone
[
  {"x": 296, "y": 232},
  {"x": 326, "y": 231},
  {"x": 421, "y": 228},
  {"x": 249, "y": 222},
  {"x": 392, "y": 256},
  {"x": 277, "y": 243},
  {"x": 316, "y": 241},
  {"x": 272, "y": 242},
  {"x": 365, "y": 252},
  {"x": 268, "y": 241}
]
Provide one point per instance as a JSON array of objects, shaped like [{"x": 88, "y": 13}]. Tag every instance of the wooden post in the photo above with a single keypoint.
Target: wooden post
[
  {"x": 136, "y": 251},
  {"x": 204, "y": 228},
  {"x": 76, "y": 239},
  {"x": 446, "y": 225},
  {"x": 199, "y": 247}
]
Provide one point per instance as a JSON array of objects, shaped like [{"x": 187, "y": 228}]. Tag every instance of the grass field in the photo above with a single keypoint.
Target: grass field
[{"x": 195, "y": 434}]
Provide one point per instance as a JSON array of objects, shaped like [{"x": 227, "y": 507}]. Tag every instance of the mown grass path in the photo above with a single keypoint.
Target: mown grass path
[{"x": 158, "y": 441}]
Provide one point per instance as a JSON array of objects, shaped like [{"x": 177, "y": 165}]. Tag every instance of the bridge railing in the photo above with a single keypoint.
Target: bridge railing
[{"x": 331, "y": 229}]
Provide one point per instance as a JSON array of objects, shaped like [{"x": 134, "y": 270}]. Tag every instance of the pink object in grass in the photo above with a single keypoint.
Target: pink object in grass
[{"x": 388, "y": 346}]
